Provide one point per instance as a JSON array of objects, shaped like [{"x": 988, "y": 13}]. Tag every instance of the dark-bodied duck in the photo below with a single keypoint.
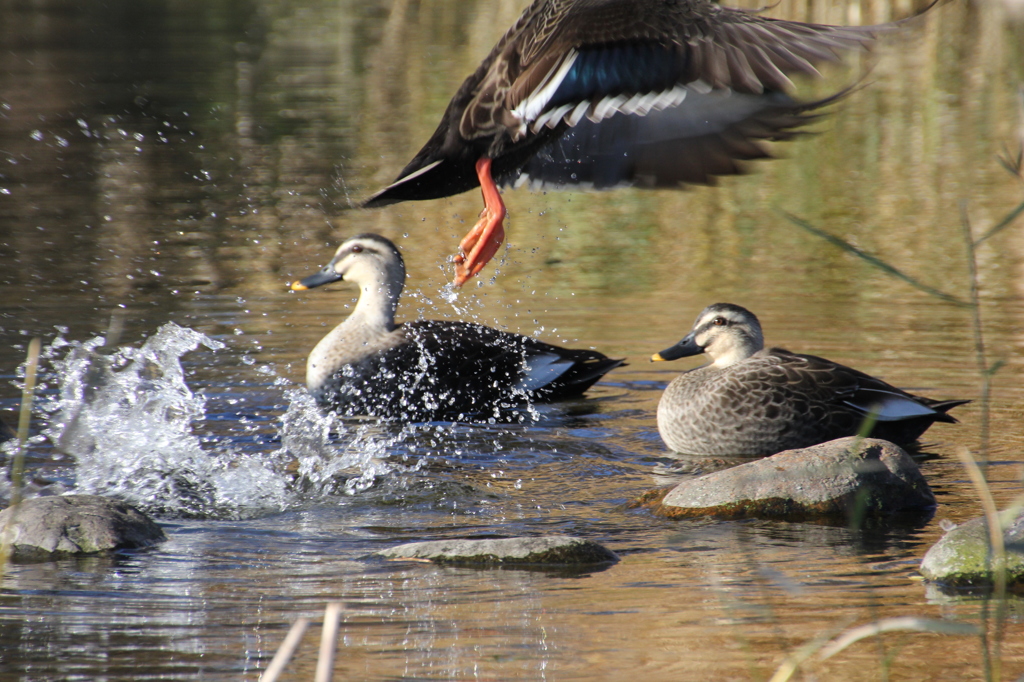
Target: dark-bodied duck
[
  {"x": 756, "y": 401},
  {"x": 610, "y": 93},
  {"x": 429, "y": 370}
]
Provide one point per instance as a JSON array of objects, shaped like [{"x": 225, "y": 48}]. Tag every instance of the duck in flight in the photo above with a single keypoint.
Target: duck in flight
[
  {"x": 753, "y": 400},
  {"x": 610, "y": 93},
  {"x": 430, "y": 370}
]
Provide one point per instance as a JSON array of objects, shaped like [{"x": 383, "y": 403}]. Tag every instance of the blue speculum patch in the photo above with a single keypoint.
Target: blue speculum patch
[{"x": 617, "y": 69}]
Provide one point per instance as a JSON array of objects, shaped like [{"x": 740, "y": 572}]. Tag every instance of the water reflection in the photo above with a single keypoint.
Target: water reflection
[{"x": 187, "y": 160}]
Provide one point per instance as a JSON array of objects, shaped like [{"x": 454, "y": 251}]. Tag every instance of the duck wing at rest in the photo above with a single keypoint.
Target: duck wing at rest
[
  {"x": 829, "y": 400},
  {"x": 453, "y": 370}
]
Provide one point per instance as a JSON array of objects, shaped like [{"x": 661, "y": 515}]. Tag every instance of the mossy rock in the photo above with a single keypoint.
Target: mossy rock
[
  {"x": 49, "y": 527},
  {"x": 962, "y": 558}
]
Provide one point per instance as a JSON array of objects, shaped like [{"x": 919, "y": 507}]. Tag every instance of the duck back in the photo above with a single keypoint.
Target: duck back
[
  {"x": 453, "y": 370},
  {"x": 776, "y": 400}
]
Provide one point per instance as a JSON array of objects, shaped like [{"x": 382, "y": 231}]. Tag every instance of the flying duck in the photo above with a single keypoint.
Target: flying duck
[{"x": 610, "y": 93}]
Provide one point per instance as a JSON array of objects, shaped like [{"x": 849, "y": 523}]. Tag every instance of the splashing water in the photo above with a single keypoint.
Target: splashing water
[{"x": 127, "y": 416}]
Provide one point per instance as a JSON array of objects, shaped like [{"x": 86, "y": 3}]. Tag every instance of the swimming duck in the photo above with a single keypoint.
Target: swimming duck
[
  {"x": 429, "y": 370},
  {"x": 756, "y": 401},
  {"x": 650, "y": 93}
]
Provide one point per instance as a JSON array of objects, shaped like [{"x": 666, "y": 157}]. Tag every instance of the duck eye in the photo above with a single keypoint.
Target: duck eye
[
  {"x": 719, "y": 321},
  {"x": 356, "y": 248}
]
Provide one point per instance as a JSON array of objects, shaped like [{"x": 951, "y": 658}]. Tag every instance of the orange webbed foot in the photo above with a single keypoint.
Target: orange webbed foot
[{"x": 482, "y": 242}]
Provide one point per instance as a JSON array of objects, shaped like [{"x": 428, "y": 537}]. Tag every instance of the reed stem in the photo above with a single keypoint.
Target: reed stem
[{"x": 18, "y": 464}]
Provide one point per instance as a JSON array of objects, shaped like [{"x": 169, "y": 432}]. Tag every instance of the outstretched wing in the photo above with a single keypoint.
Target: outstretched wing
[{"x": 566, "y": 62}]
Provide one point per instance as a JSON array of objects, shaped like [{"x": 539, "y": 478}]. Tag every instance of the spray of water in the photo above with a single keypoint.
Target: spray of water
[{"x": 128, "y": 417}]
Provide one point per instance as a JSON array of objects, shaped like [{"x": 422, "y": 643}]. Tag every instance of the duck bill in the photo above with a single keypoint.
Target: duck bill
[
  {"x": 325, "y": 276},
  {"x": 684, "y": 349}
]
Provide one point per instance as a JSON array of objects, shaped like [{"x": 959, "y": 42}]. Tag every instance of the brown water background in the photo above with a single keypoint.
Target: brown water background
[{"x": 183, "y": 161}]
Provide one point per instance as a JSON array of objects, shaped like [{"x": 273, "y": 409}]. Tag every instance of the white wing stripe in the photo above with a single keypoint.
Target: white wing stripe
[
  {"x": 639, "y": 104},
  {"x": 533, "y": 105},
  {"x": 541, "y": 370},
  {"x": 894, "y": 408}
]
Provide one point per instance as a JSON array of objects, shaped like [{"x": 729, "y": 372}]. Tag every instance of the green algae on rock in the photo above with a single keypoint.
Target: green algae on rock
[{"x": 963, "y": 557}]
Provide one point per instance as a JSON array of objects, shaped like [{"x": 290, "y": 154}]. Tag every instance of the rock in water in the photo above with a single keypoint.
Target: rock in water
[
  {"x": 842, "y": 478},
  {"x": 962, "y": 558},
  {"x": 76, "y": 524},
  {"x": 549, "y": 550}
]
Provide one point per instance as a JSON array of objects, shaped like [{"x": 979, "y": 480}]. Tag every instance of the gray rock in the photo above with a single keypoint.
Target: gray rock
[
  {"x": 77, "y": 524},
  {"x": 961, "y": 558},
  {"x": 841, "y": 478},
  {"x": 549, "y": 550}
]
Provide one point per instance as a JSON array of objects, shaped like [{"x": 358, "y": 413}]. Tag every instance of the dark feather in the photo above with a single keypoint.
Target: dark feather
[
  {"x": 453, "y": 370},
  {"x": 622, "y": 48},
  {"x": 667, "y": 148},
  {"x": 826, "y": 389}
]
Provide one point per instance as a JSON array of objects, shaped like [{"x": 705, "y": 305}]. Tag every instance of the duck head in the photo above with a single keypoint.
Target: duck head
[
  {"x": 374, "y": 264},
  {"x": 726, "y": 332}
]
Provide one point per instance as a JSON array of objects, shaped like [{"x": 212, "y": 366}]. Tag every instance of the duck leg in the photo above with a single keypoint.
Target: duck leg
[{"x": 482, "y": 242}]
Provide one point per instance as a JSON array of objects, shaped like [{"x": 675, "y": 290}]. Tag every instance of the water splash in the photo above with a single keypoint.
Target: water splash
[
  {"x": 128, "y": 418},
  {"x": 321, "y": 461}
]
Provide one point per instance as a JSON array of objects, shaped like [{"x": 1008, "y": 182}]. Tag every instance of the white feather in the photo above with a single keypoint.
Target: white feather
[
  {"x": 414, "y": 175},
  {"x": 533, "y": 105},
  {"x": 541, "y": 370},
  {"x": 891, "y": 407},
  {"x": 609, "y": 106},
  {"x": 576, "y": 114},
  {"x": 550, "y": 118}
]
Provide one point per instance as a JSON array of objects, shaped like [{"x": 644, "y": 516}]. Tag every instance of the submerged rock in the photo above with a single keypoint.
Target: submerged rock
[
  {"x": 548, "y": 550},
  {"x": 962, "y": 557},
  {"x": 76, "y": 524},
  {"x": 845, "y": 478}
]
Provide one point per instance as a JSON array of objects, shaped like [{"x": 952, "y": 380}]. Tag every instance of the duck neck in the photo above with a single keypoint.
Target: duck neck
[
  {"x": 734, "y": 349},
  {"x": 373, "y": 318},
  {"x": 378, "y": 301}
]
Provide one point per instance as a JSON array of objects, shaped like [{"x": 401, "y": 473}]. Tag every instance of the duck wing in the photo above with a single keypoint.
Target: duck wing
[
  {"x": 693, "y": 144},
  {"x": 447, "y": 369},
  {"x": 470, "y": 354},
  {"x": 841, "y": 398},
  {"x": 566, "y": 61}
]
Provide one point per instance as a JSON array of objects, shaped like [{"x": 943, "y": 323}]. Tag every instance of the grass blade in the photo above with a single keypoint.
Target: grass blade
[
  {"x": 18, "y": 465},
  {"x": 875, "y": 261},
  {"x": 1002, "y": 224},
  {"x": 285, "y": 651},
  {"x": 328, "y": 643},
  {"x": 941, "y": 627}
]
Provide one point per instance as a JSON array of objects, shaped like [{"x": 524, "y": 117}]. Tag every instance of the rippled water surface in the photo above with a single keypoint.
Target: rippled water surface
[{"x": 172, "y": 166}]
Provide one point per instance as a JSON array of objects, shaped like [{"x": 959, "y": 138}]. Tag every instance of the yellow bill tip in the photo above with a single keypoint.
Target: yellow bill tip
[
  {"x": 298, "y": 286},
  {"x": 657, "y": 358}
]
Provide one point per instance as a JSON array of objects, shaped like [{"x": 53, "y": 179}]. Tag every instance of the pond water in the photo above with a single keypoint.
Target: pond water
[{"x": 173, "y": 166}]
